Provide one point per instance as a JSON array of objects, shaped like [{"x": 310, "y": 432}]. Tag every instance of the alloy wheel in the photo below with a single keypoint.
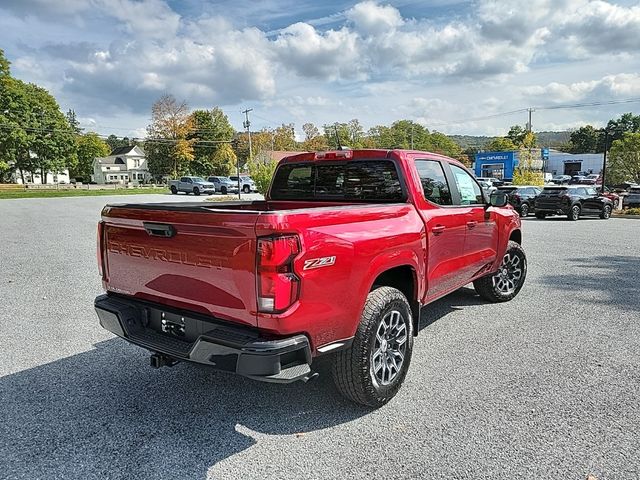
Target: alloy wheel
[
  {"x": 575, "y": 212},
  {"x": 509, "y": 276},
  {"x": 389, "y": 348}
]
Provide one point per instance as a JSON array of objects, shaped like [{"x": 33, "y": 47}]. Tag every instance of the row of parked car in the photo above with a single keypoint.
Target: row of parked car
[
  {"x": 213, "y": 184},
  {"x": 580, "y": 178},
  {"x": 572, "y": 201}
]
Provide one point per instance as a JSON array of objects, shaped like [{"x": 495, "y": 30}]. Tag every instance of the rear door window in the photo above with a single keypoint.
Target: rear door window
[{"x": 434, "y": 182}]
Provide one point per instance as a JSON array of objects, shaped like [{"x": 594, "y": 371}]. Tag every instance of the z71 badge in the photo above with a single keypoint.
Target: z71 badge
[{"x": 319, "y": 262}]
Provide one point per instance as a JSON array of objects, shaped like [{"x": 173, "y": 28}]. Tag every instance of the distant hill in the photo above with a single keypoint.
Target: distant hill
[
  {"x": 545, "y": 139},
  {"x": 552, "y": 139},
  {"x": 471, "y": 141}
]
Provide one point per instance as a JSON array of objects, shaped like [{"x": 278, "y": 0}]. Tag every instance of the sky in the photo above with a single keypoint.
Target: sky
[{"x": 445, "y": 64}]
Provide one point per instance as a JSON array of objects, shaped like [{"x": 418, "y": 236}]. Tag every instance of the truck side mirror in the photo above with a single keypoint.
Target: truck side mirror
[{"x": 498, "y": 199}]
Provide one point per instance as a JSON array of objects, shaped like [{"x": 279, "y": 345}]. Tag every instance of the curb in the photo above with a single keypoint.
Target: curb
[{"x": 634, "y": 217}]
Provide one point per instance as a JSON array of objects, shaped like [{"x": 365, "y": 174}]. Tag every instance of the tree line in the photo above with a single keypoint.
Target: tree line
[
  {"x": 36, "y": 137},
  {"x": 203, "y": 142}
]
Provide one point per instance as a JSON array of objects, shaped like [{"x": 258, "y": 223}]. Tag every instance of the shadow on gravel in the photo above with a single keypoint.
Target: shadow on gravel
[
  {"x": 106, "y": 414},
  {"x": 616, "y": 276},
  {"x": 463, "y": 297}
]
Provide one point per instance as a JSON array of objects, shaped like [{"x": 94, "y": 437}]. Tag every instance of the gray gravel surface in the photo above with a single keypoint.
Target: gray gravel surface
[{"x": 545, "y": 386}]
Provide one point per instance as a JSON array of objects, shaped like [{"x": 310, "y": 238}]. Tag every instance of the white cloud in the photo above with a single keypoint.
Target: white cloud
[
  {"x": 372, "y": 54},
  {"x": 331, "y": 55},
  {"x": 373, "y": 19},
  {"x": 622, "y": 85},
  {"x": 601, "y": 27}
]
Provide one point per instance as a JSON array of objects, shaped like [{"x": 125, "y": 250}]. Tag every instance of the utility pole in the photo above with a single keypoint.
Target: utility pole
[
  {"x": 412, "y": 136},
  {"x": 246, "y": 124},
  {"x": 529, "y": 126},
  {"x": 604, "y": 161}
]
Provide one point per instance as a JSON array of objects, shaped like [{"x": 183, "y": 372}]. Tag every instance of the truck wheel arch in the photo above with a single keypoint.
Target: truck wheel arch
[
  {"x": 516, "y": 236},
  {"x": 405, "y": 279}
]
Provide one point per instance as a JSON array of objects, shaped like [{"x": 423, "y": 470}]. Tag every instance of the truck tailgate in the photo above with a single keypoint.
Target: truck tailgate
[{"x": 202, "y": 261}]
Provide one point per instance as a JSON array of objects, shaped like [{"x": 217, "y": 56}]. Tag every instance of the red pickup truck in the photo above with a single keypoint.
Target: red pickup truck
[{"x": 339, "y": 259}]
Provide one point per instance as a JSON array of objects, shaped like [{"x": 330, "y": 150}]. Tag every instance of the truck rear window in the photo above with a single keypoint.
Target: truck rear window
[{"x": 365, "y": 180}]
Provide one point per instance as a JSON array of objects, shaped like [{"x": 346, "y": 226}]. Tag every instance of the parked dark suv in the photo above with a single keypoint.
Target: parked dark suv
[
  {"x": 521, "y": 197},
  {"x": 572, "y": 201}
]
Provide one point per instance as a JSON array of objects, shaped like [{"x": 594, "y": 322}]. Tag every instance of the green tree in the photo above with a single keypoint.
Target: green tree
[
  {"x": 171, "y": 125},
  {"x": 400, "y": 134},
  {"x": 351, "y": 134},
  {"x": 224, "y": 161},
  {"x": 627, "y": 123},
  {"x": 117, "y": 142},
  {"x": 587, "y": 139},
  {"x": 261, "y": 171},
  {"x": 36, "y": 137},
  {"x": 209, "y": 129},
  {"x": 527, "y": 172},
  {"x": 53, "y": 144},
  {"x": 284, "y": 138},
  {"x": 501, "y": 144},
  {"x": 74, "y": 124},
  {"x": 445, "y": 145},
  {"x": 516, "y": 134},
  {"x": 89, "y": 146},
  {"x": 5, "y": 65},
  {"x": 261, "y": 141},
  {"x": 624, "y": 160},
  {"x": 314, "y": 141}
]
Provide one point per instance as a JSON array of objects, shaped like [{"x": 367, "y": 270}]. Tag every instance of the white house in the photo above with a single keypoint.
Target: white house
[
  {"x": 124, "y": 165},
  {"x": 34, "y": 178}
]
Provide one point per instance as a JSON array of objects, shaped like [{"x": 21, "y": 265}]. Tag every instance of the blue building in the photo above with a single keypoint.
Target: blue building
[{"x": 496, "y": 164}]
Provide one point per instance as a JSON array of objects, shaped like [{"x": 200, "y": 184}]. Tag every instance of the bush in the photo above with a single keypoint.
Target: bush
[
  {"x": 262, "y": 173},
  {"x": 631, "y": 211},
  {"x": 528, "y": 177},
  {"x": 526, "y": 172}
]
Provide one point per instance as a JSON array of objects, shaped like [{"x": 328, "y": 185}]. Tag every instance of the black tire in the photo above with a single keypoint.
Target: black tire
[
  {"x": 541, "y": 215},
  {"x": 606, "y": 212},
  {"x": 246, "y": 189},
  {"x": 196, "y": 191},
  {"x": 524, "y": 209},
  {"x": 223, "y": 190},
  {"x": 574, "y": 213},
  {"x": 174, "y": 190},
  {"x": 616, "y": 203},
  {"x": 353, "y": 368},
  {"x": 489, "y": 287}
]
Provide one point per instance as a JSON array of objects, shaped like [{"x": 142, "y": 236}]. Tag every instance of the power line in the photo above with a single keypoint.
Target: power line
[
  {"x": 591, "y": 104},
  {"x": 550, "y": 107}
]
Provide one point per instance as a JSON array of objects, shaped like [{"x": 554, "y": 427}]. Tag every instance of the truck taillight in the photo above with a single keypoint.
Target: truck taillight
[
  {"x": 278, "y": 285},
  {"x": 99, "y": 248}
]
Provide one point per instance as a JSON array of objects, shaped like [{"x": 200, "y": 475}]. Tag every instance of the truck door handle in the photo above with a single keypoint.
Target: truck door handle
[
  {"x": 438, "y": 229},
  {"x": 159, "y": 229},
  {"x": 472, "y": 224}
]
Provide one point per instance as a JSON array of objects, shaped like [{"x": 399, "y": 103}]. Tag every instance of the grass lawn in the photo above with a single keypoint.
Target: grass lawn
[{"x": 43, "y": 193}]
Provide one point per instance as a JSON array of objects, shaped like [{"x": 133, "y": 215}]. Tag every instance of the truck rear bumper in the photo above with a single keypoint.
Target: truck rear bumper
[{"x": 196, "y": 338}]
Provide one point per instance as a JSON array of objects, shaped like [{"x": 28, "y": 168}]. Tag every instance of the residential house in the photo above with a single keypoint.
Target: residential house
[
  {"x": 123, "y": 165},
  {"x": 35, "y": 178}
]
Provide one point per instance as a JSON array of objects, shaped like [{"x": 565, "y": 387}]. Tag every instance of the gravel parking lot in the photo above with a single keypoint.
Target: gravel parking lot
[{"x": 546, "y": 386}]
